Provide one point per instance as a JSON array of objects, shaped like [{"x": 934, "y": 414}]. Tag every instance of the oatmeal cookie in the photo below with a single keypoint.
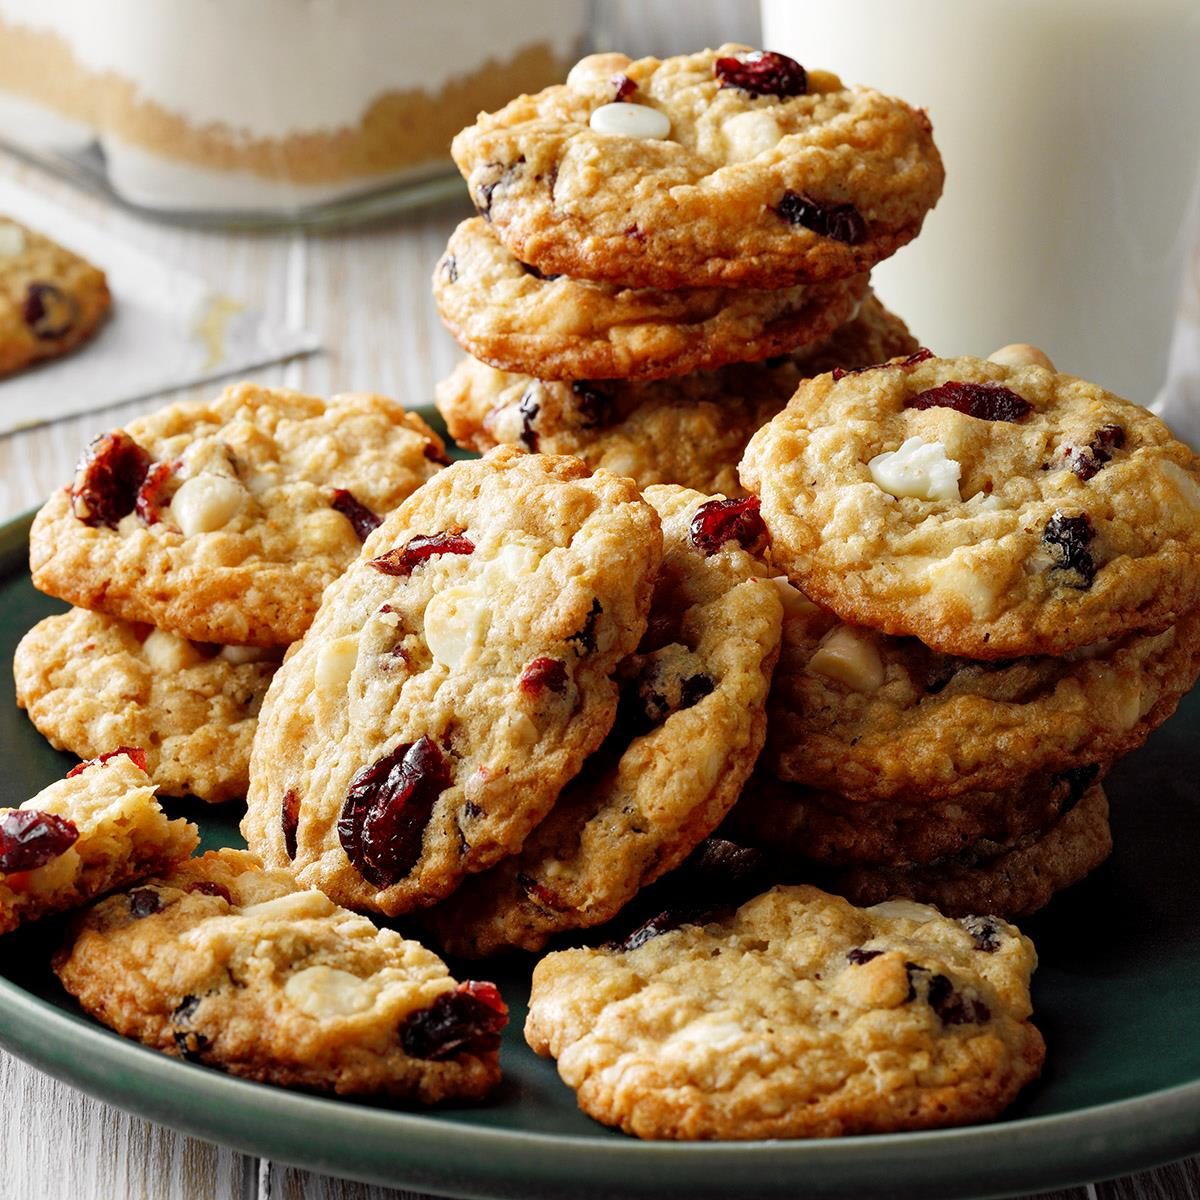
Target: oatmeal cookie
[
  {"x": 224, "y": 521},
  {"x": 721, "y": 168},
  {"x": 989, "y": 511},
  {"x": 690, "y": 725},
  {"x": 224, "y": 963},
  {"x": 690, "y": 430},
  {"x": 797, "y": 1016},
  {"x": 90, "y": 682},
  {"x": 50, "y": 299},
  {"x": 99, "y": 828},
  {"x": 455, "y": 678},
  {"x": 879, "y": 718},
  {"x": 554, "y": 327}
]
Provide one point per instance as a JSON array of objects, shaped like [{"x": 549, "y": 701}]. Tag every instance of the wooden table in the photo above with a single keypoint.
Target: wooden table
[{"x": 366, "y": 294}]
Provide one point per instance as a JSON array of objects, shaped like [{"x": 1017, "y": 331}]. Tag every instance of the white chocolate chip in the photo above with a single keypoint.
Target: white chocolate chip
[
  {"x": 849, "y": 656},
  {"x": 205, "y": 503},
  {"x": 917, "y": 468},
  {"x": 595, "y": 71},
  {"x": 795, "y": 602},
  {"x": 456, "y": 623},
  {"x": 903, "y": 910},
  {"x": 168, "y": 653},
  {"x": 1185, "y": 483},
  {"x": 971, "y": 581},
  {"x": 12, "y": 240},
  {"x": 514, "y": 561},
  {"x": 325, "y": 992},
  {"x": 630, "y": 120},
  {"x": 335, "y": 665},
  {"x": 293, "y": 906},
  {"x": 749, "y": 134},
  {"x": 1021, "y": 354},
  {"x": 246, "y": 654}
]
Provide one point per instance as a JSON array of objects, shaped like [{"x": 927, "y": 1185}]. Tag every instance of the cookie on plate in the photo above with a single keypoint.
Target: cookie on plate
[
  {"x": 724, "y": 168},
  {"x": 224, "y": 963},
  {"x": 553, "y": 327},
  {"x": 796, "y": 1016},
  {"x": 90, "y": 682},
  {"x": 455, "y": 678},
  {"x": 99, "y": 828},
  {"x": 879, "y": 718},
  {"x": 689, "y": 728},
  {"x": 989, "y": 511},
  {"x": 690, "y": 430},
  {"x": 50, "y": 299},
  {"x": 224, "y": 521}
]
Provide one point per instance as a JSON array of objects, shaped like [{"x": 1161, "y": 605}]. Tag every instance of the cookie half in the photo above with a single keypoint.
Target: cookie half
[{"x": 224, "y": 963}]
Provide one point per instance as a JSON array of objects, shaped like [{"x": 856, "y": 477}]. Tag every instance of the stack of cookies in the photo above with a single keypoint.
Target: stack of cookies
[
  {"x": 999, "y": 568},
  {"x": 665, "y": 248}
]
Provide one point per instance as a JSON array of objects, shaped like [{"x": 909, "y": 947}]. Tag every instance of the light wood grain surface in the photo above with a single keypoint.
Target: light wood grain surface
[{"x": 366, "y": 294}]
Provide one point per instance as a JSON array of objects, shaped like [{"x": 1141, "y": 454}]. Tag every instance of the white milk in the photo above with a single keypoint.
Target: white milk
[{"x": 1070, "y": 130}]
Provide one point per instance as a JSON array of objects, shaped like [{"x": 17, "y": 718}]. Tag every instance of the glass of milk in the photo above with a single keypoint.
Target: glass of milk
[{"x": 1070, "y": 130}]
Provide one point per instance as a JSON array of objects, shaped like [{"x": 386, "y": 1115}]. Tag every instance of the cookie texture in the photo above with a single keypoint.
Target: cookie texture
[
  {"x": 454, "y": 680},
  {"x": 91, "y": 682},
  {"x": 50, "y": 299},
  {"x": 99, "y": 828},
  {"x": 691, "y": 430},
  {"x": 797, "y": 1016},
  {"x": 224, "y": 963},
  {"x": 691, "y": 723},
  {"x": 878, "y": 718},
  {"x": 716, "y": 184},
  {"x": 989, "y": 511},
  {"x": 224, "y": 521},
  {"x": 555, "y": 327}
]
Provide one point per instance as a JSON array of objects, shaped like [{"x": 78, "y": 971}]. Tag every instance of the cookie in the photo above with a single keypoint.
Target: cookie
[
  {"x": 455, "y": 678},
  {"x": 878, "y": 718},
  {"x": 723, "y": 168},
  {"x": 50, "y": 299},
  {"x": 989, "y": 511},
  {"x": 689, "y": 728},
  {"x": 690, "y": 430},
  {"x": 224, "y": 963},
  {"x": 99, "y": 828},
  {"x": 517, "y": 319},
  {"x": 797, "y": 1016},
  {"x": 90, "y": 682},
  {"x": 224, "y": 521}
]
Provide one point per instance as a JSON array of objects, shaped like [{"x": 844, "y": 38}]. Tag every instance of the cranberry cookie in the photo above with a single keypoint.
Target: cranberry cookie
[
  {"x": 50, "y": 299},
  {"x": 99, "y": 828},
  {"x": 90, "y": 682},
  {"x": 455, "y": 678},
  {"x": 724, "y": 168},
  {"x": 515, "y": 318},
  {"x": 690, "y": 725},
  {"x": 224, "y": 521},
  {"x": 797, "y": 1016},
  {"x": 990, "y": 511},
  {"x": 224, "y": 963}
]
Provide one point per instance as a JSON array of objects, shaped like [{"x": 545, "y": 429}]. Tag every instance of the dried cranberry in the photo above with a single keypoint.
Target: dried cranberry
[
  {"x": 144, "y": 902},
  {"x": 30, "y": 838},
  {"x": 539, "y": 893},
  {"x": 388, "y": 805},
  {"x": 436, "y": 453},
  {"x": 594, "y": 405},
  {"x": 149, "y": 501},
  {"x": 984, "y": 401},
  {"x": 1086, "y": 461},
  {"x": 623, "y": 87},
  {"x": 914, "y": 359},
  {"x": 721, "y": 521},
  {"x": 108, "y": 479},
  {"x": 529, "y": 409},
  {"x": 497, "y": 173},
  {"x": 207, "y": 887},
  {"x": 134, "y": 752},
  {"x": 404, "y": 560},
  {"x": 49, "y": 311},
  {"x": 763, "y": 73},
  {"x": 649, "y": 701},
  {"x": 359, "y": 515},
  {"x": 858, "y": 956},
  {"x": 664, "y": 922},
  {"x": 289, "y": 819},
  {"x": 542, "y": 674},
  {"x": 449, "y": 266},
  {"x": 840, "y": 222},
  {"x": 984, "y": 931},
  {"x": 190, "y": 1044},
  {"x": 1069, "y": 540},
  {"x": 586, "y": 637},
  {"x": 952, "y": 1007},
  {"x": 468, "y": 1020}
]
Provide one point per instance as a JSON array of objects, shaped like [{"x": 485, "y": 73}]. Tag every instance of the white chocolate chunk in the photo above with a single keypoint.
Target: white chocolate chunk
[
  {"x": 12, "y": 240},
  {"x": 630, "y": 120},
  {"x": 904, "y": 910},
  {"x": 917, "y": 468},
  {"x": 334, "y": 666},
  {"x": 972, "y": 581},
  {"x": 292, "y": 906},
  {"x": 749, "y": 134},
  {"x": 168, "y": 653},
  {"x": 795, "y": 602},
  {"x": 206, "y": 503},
  {"x": 246, "y": 654},
  {"x": 849, "y": 656},
  {"x": 456, "y": 623},
  {"x": 1021, "y": 354},
  {"x": 1185, "y": 484},
  {"x": 324, "y": 992}
]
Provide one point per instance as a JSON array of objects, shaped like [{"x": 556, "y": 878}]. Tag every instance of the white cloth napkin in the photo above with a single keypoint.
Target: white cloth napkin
[{"x": 167, "y": 329}]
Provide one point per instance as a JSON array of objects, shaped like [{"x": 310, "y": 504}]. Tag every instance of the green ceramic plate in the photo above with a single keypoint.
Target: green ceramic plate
[{"x": 1117, "y": 996}]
